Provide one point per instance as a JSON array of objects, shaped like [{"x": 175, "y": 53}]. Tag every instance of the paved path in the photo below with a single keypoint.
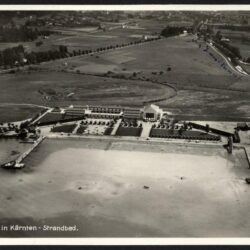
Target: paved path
[
  {"x": 116, "y": 126},
  {"x": 78, "y": 124},
  {"x": 26, "y": 153},
  {"x": 146, "y": 129},
  {"x": 42, "y": 115}
]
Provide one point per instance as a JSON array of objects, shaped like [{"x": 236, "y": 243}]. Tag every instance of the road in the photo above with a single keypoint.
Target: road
[{"x": 227, "y": 61}]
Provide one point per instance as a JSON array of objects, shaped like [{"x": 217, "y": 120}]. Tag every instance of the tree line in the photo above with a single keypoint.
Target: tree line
[
  {"x": 228, "y": 49},
  {"x": 173, "y": 31},
  {"x": 17, "y": 56},
  {"x": 21, "y": 34}
]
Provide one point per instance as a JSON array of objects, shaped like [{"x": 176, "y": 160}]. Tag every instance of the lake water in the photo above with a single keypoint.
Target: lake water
[
  {"x": 10, "y": 149},
  {"x": 107, "y": 192}
]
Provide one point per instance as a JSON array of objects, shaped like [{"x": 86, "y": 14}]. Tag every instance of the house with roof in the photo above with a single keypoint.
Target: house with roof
[{"x": 152, "y": 112}]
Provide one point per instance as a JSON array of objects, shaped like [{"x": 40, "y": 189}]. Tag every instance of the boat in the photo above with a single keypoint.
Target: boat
[
  {"x": 12, "y": 165},
  {"x": 8, "y": 165}
]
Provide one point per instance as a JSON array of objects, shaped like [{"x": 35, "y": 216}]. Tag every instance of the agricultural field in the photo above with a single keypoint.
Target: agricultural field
[
  {"x": 182, "y": 63},
  {"x": 47, "y": 44},
  {"x": 239, "y": 39},
  {"x": 174, "y": 73},
  {"x": 244, "y": 47}
]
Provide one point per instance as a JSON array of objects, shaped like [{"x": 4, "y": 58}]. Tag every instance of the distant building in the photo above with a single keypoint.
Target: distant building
[
  {"x": 149, "y": 113},
  {"x": 224, "y": 39}
]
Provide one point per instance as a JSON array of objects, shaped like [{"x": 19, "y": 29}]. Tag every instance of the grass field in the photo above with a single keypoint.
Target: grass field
[
  {"x": 81, "y": 129},
  {"x": 205, "y": 89},
  {"x": 188, "y": 63},
  {"x": 194, "y": 135},
  {"x": 124, "y": 131},
  {"x": 11, "y": 113},
  {"x": 53, "y": 88},
  {"x": 67, "y": 128},
  {"x": 176, "y": 60}
]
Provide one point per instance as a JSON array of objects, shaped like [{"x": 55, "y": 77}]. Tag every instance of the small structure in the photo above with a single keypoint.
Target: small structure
[
  {"x": 152, "y": 113},
  {"x": 244, "y": 126}
]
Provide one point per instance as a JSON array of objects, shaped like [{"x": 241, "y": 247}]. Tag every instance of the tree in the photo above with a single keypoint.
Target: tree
[{"x": 218, "y": 35}]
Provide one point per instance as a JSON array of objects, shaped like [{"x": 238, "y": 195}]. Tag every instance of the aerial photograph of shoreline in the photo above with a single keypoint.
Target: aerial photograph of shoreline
[{"x": 124, "y": 123}]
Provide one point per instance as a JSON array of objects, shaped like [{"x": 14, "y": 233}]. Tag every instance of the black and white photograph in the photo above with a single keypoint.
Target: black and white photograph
[{"x": 124, "y": 123}]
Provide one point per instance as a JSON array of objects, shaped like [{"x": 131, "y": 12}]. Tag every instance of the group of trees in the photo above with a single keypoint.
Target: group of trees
[
  {"x": 21, "y": 34},
  {"x": 16, "y": 56},
  {"x": 229, "y": 50},
  {"x": 173, "y": 31},
  {"x": 10, "y": 56}
]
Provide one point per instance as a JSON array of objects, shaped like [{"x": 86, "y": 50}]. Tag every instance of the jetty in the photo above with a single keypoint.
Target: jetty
[
  {"x": 18, "y": 163},
  {"x": 26, "y": 153}
]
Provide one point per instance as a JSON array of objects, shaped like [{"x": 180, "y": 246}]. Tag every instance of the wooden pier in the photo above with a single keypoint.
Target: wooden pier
[{"x": 26, "y": 153}]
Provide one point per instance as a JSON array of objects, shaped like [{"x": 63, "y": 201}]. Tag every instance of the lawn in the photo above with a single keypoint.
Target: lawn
[
  {"x": 67, "y": 128},
  {"x": 50, "y": 118},
  {"x": 125, "y": 131},
  {"x": 194, "y": 135},
  {"x": 81, "y": 129},
  {"x": 11, "y": 113}
]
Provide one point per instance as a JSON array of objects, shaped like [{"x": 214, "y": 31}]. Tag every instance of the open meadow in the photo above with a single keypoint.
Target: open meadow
[
  {"x": 206, "y": 89},
  {"x": 62, "y": 89},
  {"x": 176, "y": 73}
]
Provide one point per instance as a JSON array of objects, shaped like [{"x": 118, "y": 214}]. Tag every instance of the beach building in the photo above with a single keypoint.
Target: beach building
[
  {"x": 149, "y": 113},
  {"x": 152, "y": 113},
  {"x": 132, "y": 113}
]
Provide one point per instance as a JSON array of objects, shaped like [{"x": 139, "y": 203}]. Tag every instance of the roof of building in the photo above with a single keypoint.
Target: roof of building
[
  {"x": 152, "y": 108},
  {"x": 132, "y": 113}
]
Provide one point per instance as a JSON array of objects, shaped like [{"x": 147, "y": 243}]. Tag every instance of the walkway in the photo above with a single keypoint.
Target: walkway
[
  {"x": 146, "y": 129},
  {"x": 42, "y": 115},
  {"x": 26, "y": 153},
  {"x": 116, "y": 126}
]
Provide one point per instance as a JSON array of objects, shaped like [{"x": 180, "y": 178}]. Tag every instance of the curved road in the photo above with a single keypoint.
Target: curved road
[{"x": 227, "y": 61}]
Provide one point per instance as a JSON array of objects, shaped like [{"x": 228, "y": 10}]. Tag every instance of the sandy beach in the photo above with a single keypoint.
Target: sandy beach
[{"x": 110, "y": 188}]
